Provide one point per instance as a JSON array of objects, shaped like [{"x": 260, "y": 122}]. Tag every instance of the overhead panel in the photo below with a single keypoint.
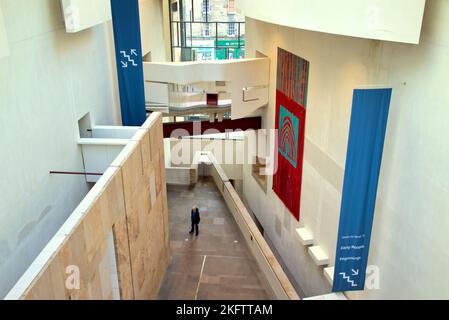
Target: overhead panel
[
  {"x": 398, "y": 21},
  {"x": 84, "y": 14}
]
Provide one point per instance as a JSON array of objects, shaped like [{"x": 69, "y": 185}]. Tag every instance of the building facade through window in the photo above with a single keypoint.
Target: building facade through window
[{"x": 206, "y": 30}]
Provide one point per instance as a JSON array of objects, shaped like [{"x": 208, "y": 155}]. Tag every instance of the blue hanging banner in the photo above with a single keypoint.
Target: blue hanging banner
[
  {"x": 128, "y": 53},
  {"x": 366, "y": 142}
]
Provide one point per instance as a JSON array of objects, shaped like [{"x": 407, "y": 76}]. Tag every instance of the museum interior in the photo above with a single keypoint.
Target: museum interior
[{"x": 224, "y": 150}]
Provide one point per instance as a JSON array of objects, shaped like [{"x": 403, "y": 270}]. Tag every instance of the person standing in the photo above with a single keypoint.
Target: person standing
[{"x": 195, "y": 216}]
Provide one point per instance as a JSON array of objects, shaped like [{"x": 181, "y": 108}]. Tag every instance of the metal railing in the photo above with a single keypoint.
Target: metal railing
[{"x": 187, "y": 35}]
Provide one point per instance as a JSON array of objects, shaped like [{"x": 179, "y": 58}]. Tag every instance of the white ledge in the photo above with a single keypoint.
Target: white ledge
[
  {"x": 305, "y": 236},
  {"x": 114, "y": 132},
  {"x": 331, "y": 296},
  {"x": 329, "y": 274},
  {"x": 319, "y": 256},
  {"x": 103, "y": 142}
]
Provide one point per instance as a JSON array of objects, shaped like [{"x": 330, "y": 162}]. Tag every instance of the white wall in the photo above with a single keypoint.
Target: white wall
[
  {"x": 152, "y": 31},
  {"x": 154, "y": 43},
  {"x": 409, "y": 239},
  {"x": 49, "y": 81},
  {"x": 229, "y": 153},
  {"x": 4, "y": 47},
  {"x": 398, "y": 20}
]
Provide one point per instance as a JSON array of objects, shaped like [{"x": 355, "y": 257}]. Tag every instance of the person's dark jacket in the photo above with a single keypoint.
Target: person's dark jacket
[{"x": 196, "y": 216}]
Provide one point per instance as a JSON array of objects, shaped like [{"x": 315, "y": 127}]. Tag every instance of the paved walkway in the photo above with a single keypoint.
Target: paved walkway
[{"x": 215, "y": 265}]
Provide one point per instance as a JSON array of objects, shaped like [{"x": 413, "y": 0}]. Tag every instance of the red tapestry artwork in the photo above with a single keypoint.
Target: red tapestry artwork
[{"x": 291, "y": 98}]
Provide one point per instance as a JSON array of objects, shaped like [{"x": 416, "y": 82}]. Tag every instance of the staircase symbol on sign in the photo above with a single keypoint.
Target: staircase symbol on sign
[
  {"x": 128, "y": 59},
  {"x": 348, "y": 278}
]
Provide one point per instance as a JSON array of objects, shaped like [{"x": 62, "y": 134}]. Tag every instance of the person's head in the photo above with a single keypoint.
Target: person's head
[{"x": 194, "y": 208}]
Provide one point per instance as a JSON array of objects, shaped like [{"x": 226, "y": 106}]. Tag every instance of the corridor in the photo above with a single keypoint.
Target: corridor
[{"x": 215, "y": 265}]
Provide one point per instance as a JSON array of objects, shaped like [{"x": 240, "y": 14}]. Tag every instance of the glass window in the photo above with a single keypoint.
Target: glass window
[
  {"x": 231, "y": 29},
  {"x": 206, "y": 9},
  {"x": 206, "y": 29}
]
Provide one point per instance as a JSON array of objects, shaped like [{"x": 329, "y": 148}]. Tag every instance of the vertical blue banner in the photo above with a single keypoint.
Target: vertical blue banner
[
  {"x": 366, "y": 142},
  {"x": 128, "y": 52}
]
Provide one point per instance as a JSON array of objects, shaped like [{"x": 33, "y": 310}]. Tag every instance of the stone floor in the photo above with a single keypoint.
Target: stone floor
[{"x": 215, "y": 265}]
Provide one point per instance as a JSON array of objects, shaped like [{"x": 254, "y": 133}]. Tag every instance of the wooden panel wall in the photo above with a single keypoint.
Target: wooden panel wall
[
  {"x": 143, "y": 173},
  {"x": 130, "y": 200}
]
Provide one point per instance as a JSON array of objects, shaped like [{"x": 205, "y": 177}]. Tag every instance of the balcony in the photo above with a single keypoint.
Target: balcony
[{"x": 241, "y": 86}]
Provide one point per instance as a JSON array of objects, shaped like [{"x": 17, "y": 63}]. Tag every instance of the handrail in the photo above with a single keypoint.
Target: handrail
[
  {"x": 180, "y": 38},
  {"x": 247, "y": 89},
  {"x": 281, "y": 280}
]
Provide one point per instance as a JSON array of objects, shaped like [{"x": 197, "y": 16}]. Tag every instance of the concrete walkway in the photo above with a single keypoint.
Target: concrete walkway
[{"x": 215, "y": 265}]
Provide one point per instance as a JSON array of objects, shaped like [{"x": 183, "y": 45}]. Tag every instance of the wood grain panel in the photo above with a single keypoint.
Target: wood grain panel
[
  {"x": 130, "y": 200},
  {"x": 142, "y": 180},
  {"x": 123, "y": 259}
]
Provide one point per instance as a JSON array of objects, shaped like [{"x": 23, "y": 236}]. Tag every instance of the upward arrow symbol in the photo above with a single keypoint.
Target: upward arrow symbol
[{"x": 134, "y": 52}]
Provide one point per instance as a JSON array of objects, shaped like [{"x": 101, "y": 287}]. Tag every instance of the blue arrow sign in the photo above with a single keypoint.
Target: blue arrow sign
[
  {"x": 128, "y": 52},
  {"x": 366, "y": 141}
]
